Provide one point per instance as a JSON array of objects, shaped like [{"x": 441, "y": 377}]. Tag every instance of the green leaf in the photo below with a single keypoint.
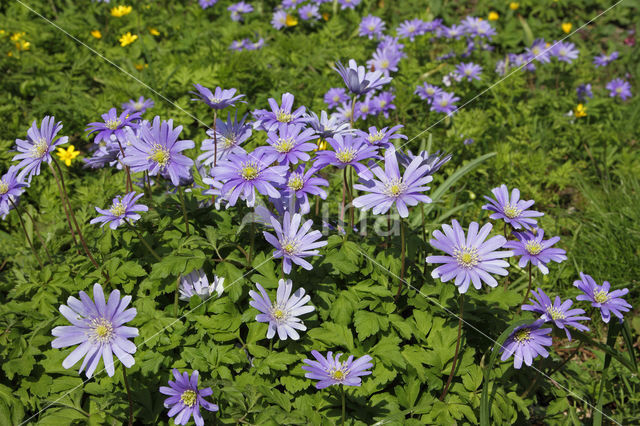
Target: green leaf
[{"x": 366, "y": 324}]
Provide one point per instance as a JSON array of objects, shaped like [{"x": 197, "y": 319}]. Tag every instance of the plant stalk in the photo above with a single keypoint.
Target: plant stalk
[
  {"x": 146, "y": 244},
  {"x": 26, "y": 234},
  {"x": 455, "y": 356},
  {"x": 126, "y": 385},
  {"x": 184, "y": 210},
  {"x": 35, "y": 228}
]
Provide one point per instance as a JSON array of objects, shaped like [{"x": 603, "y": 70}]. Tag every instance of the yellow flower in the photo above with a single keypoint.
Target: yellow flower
[
  {"x": 127, "y": 39},
  {"x": 96, "y": 34},
  {"x": 514, "y": 6},
  {"x": 2, "y": 32},
  {"x": 67, "y": 155},
  {"x": 580, "y": 111},
  {"x": 325, "y": 16},
  {"x": 566, "y": 27},
  {"x": 17, "y": 36},
  {"x": 142, "y": 66},
  {"x": 291, "y": 21},
  {"x": 493, "y": 16},
  {"x": 120, "y": 11},
  {"x": 154, "y": 32},
  {"x": 322, "y": 145},
  {"x": 23, "y": 45}
]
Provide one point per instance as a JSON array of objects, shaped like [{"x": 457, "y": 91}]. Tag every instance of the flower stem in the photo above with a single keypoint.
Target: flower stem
[
  {"x": 126, "y": 385},
  {"x": 26, "y": 234},
  {"x": 402, "y": 259},
  {"x": 353, "y": 109},
  {"x": 175, "y": 297},
  {"x": 252, "y": 239},
  {"x": 215, "y": 137},
  {"x": 146, "y": 244},
  {"x": 455, "y": 356},
  {"x": 184, "y": 209},
  {"x": 506, "y": 280},
  {"x": 342, "y": 206},
  {"x": 64, "y": 205},
  {"x": 129, "y": 184},
  {"x": 351, "y": 208},
  {"x": 526, "y": 295},
  {"x": 270, "y": 345},
  {"x": 35, "y": 228},
  {"x": 344, "y": 405},
  {"x": 75, "y": 222}
]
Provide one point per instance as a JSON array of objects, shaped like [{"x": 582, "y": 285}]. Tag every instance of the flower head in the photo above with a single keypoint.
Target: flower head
[
  {"x": 289, "y": 143},
  {"x": 427, "y": 91},
  {"x": 540, "y": 51},
  {"x": 141, "y": 105},
  {"x": 347, "y": 151},
  {"x": 565, "y": 51},
  {"x": 526, "y": 343},
  {"x": 532, "y": 247},
  {"x": 411, "y": 29},
  {"x": 197, "y": 284},
  {"x": 98, "y": 327},
  {"x": 301, "y": 184},
  {"x": 469, "y": 259},
  {"x": 120, "y": 11},
  {"x": 557, "y": 312},
  {"x": 358, "y": 80},
  {"x": 204, "y": 4},
  {"x": 124, "y": 209},
  {"x": 38, "y": 147},
  {"x": 372, "y": 27},
  {"x": 127, "y": 39},
  {"x": 67, "y": 155},
  {"x": 512, "y": 210},
  {"x": 242, "y": 174},
  {"x": 158, "y": 151},
  {"x": 335, "y": 97},
  {"x": 600, "y": 297},
  {"x": 185, "y": 399},
  {"x": 469, "y": 70},
  {"x": 282, "y": 315},
  {"x": 309, "y": 11},
  {"x": 238, "y": 9},
  {"x": 219, "y": 99},
  {"x": 584, "y": 92},
  {"x": 270, "y": 120},
  {"x": 326, "y": 125},
  {"x": 229, "y": 136},
  {"x": 393, "y": 188},
  {"x": 294, "y": 242},
  {"x": 348, "y": 4},
  {"x": 444, "y": 102},
  {"x": 331, "y": 371},
  {"x": 620, "y": 88},
  {"x": 603, "y": 60},
  {"x": 10, "y": 189},
  {"x": 432, "y": 161},
  {"x": 113, "y": 124},
  {"x": 381, "y": 137}
]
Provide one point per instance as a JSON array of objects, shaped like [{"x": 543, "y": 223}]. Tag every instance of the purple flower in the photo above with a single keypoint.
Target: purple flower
[
  {"x": 270, "y": 120},
  {"x": 348, "y": 4},
  {"x": 358, "y": 80},
  {"x": 335, "y": 96},
  {"x": 584, "y": 92},
  {"x": 289, "y": 143},
  {"x": 363, "y": 108},
  {"x": 196, "y": 283},
  {"x": 411, "y": 29},
  {"x": 385, "y": 60},
  {"x": 38, "y": 147},
  {"x": 282, "y": 315},
  {"x": 526, "y": 343},
  {"x": 219, "y": 99},
  {"x": 294, "y": 242},
  {"x": 512, "y": 210},
  {"x": 141, "y": 105},
  {"x": 10, "y": 189},
  {"x": 444, "y": 102},
  {"x": 185, "y": 399},
  {"x": 242, "y": 174},
  {"x": 157, "y": 150},
  {"x": 124, "y": 209},
  {"x": 603, "y": 60},
  {"x": 540, "y": 51},
  {"x": 204, "y": 4},
  {"x": 301, "y": 184},
  {"x": 309, "y": 11},
  {"x": 453, "y": 32},
  {"x": 478, "y": 27},
  {"x": 113, "y": 125},
  {"x": 279, "y": 19},
  {"x": 237, "y": 9},
  {"x": 557, "y": 312},
  {"x": 619, "y": 87},
  {"x": 326, "y": 126},
  {"x": 102, "y": 156},
  {"x": 331, "y": 371},
  {"x": 344, "y": 112},
  {"x": 347, "y": 151},
  {"x": 469, "y": 70},
  {"x": 432, "y": 161},
  {"x": 600, "y": 297},
  {"x": 98, "y": 327},
  {"x": 229, "y": 136},
  {"x": 532, "y": 248},
  {"x": 471, "y": 259},
  {"x": 393, "y": 188},
  {"x": 382, "y": 137},
  {"x": 565, "y": 52},
  {"x": 383, "y": 103},
  {"x": 372, "y": 27},
  {"x": 427, "y": 91},
  {"x": 237, "y": 45}
]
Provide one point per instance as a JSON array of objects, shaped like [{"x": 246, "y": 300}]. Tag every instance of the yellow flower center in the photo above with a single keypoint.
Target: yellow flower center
[
  {"x": 371, "y": 27},
  {"x": 249, "y": 172},
  {"x": 394, "y": 187},
  {"x": 338, "y": 374},
  {"x": 444, "y": 102},
  {"x": 384, "y": 64},
  {"x": 467, "y": 257},
  {"x": 138, "y": 106},
  {"x": 346, "y": 155},
  {"x": 562, "y": 52},
  {"x": 555, "y": 313},
  {"x": 295, "y": 182},
  {"x": 533, "y": 247},
  {"x": 40, "y": 148},
  {"x": 284, "y": 145},
  {"x": 160, "y": 155},
  {"x": 376, "y": 137},
  {"x": 189, "y": 398},
  {"x": 283, "y": 116},
  {"x": 4, "y": 187},
  {"x": 364, "y": 108},
  {"x": 601, "y": 296},
  {"x": 619, "y": 90},
  {"x": 278, "y": 314},
  {"x": 118, "y": 209},
  {"x": 101, "y": 330},
  {"x": 289, "y": 247},
  {"x": 523, "y": 335},
  {"x": 336, "y": 98},
  {"x": 113, "y": 124},
  {"x": 227, "y": 143},
  {"x": 511, "y": 211}
]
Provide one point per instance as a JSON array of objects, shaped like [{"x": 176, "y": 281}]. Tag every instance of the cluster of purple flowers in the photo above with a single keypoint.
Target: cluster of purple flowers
[{"x": 246, "y": 44}]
